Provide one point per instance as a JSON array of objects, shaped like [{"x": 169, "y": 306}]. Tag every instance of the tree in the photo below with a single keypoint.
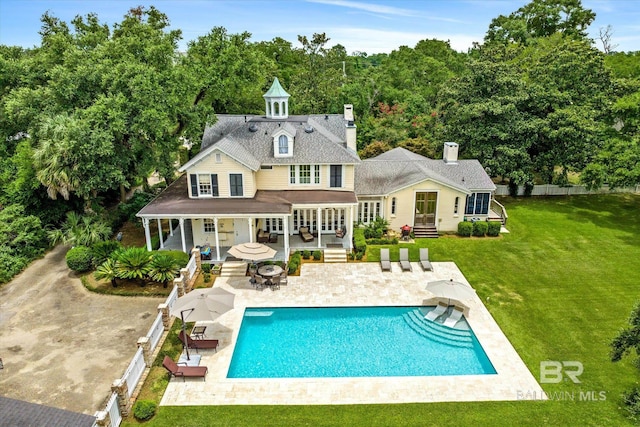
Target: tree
[
  {"x": 541, "y": 18},
  {"x": 80, "y": 230}
]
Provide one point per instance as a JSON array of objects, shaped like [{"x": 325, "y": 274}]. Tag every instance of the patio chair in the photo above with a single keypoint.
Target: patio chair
[
  {"x": 424, "y": 259},
  {"x": 454, "y": 317},
  {"x": 177, "y": 370},
  {"x": 437, "y": 312},
  {"x": 275, "y": 282},
  {"x": 259, "y": 281},
  {"x": 204, "y": 344},
  {"x": 385, "y": 264},
  {"x": 404, "y": 259},
  {"x": 340, "y": 232},
  {"x": 285, "y": 274},
  {"x": 305, "y": 235}
]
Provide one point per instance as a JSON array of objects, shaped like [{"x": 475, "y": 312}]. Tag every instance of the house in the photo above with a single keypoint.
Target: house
[
  {"x": 296, "y": 181},
  {"x": 430, "y": 195},
  {"x": 274, "y": 174}
]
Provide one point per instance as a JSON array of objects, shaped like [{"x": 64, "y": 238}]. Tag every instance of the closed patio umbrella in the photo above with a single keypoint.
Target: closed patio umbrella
[
  {"x": 202, "y": 305},
  {"x": 252, "y": 251},
  {"x": 451, "y": 289}
]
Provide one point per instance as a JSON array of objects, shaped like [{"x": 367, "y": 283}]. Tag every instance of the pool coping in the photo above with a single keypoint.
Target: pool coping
[{"x": 353, "y": 284}]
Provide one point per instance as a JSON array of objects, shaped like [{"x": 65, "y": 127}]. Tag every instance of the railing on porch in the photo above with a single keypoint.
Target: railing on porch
[
  {"x": 191, "y": 267},
  {"x": 500, "y": 210}
]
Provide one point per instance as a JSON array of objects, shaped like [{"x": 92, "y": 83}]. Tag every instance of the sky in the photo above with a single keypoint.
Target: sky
[{"x": 360, "y": 26}]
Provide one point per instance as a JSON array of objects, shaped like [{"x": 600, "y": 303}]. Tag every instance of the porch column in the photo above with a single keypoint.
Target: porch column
[
  {"x": 351, "y": 221},
  {"x": 217, "y": 237},
  {"x": 285, "y": 223},
  {"x": 184, "y": 243},
  {"x": 170, "y": 227},
  {"x": 159, "y": 221},
  {"x": 250, "y": 220},
  {"x": 147, "y": 233},
  {"x": 319, "y": 227}
]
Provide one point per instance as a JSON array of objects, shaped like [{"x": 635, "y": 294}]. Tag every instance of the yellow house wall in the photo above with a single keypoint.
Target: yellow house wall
[
  {"x": 225, "y": 233},
  {"x": 446, "y": 220},
  {"x": 226, "y": 166},
  {"x": 277, "y": 178}
]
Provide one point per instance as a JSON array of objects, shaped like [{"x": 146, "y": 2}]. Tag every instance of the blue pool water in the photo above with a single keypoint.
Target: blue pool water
[{"x": 351, "y": 342}]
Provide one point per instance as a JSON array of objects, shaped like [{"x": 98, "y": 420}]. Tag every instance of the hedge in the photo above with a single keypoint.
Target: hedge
[
  {"x": 494, "y": 228},
  {"x": 359, "y": 242},
  {"x": 480, "y": 228},
  {"x": 80, "y": 259},
  {"x": 465, "y": 228}
]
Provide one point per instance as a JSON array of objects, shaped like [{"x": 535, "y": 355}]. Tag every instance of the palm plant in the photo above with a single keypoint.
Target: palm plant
[
  {"x": 163, "y": 268},
  {"x": 133, "y": 264},
  {"x": 107, "y": 270},
  {"x": 84, "y": 230}
]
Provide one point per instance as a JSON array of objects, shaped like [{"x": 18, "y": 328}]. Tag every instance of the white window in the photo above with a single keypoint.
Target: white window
[
  {"x": 393, "y": 206},
  {"x": 204, "y": 185},
  {"x": 304, "y": 174},
  {"x": 218, "y": 158},
  {"x": 455, "y": 206},
  {"x": 209, "y": 225},
  {"x": 283, "y": 145}
]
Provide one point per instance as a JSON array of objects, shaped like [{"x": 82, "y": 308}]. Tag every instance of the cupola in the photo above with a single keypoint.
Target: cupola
[{"x": 276, "y": 101}]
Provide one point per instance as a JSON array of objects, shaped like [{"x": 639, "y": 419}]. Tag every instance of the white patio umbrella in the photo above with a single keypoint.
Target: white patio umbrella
[
  {"x": 451, "y": 289},
  {"x": 202, "y": 305},
  {"x": 252, "y": 251}
]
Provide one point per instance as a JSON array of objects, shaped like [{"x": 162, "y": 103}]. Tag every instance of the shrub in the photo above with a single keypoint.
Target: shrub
[
  {"x": 181, "y": 258},
  {"x": 359, "y": 255},
  {"x": 206, "y": 277},
  {"x": 206, "y": 268},
  {"x": 493, "y": 229},
  {"x": 143, "y": 410},
  {"x": 631, "y": 400},
  {"x": 127, "y": 211},
  {"x": 317, "y": 255},
  {"x": 306, "y": 254},
  {"x": 102, "y": 251},
  {"x": 480, "y": 228},
  {"x": 383, "y": 241},
  {"x": 359, "y": 241},
  {"x": 79, "y": 259},
  {"x": 465, "y": 228},
  {"x": 294, "y": 262}
]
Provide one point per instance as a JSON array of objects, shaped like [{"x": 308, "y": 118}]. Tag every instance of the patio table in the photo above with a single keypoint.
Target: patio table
[{"x": 270, "y": 270}]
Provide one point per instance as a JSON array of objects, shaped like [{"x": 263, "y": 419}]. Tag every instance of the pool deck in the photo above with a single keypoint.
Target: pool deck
[{"x": 353, "y": 284}]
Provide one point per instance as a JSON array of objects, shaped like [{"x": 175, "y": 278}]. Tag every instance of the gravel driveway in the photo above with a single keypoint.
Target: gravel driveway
[{"x": 62, "y": 345}]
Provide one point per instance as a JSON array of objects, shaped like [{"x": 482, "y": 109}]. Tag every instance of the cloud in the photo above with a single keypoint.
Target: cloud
[
  {"x": 382, "y": 41},
  {"x": 378, "y": 9}
]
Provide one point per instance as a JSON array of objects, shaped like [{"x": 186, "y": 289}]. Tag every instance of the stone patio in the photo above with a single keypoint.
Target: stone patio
[{"x": 352, "y": 284}]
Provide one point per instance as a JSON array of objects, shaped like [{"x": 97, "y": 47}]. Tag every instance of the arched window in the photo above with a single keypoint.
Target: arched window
[{"x": 283, "y": 144}]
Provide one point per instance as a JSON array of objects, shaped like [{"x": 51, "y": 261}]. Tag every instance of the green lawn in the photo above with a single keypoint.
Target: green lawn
[{"x": 560, "y": 285}]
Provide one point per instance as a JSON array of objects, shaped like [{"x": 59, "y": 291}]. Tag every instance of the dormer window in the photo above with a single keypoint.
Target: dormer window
[
  {"x": 283, "y": 141},
  {"x": 283, "y": 145}
]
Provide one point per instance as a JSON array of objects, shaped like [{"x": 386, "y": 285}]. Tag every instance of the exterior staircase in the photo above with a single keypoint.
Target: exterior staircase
[
  {"x": 425, "y": 231},
  {"x": 233, "y": 269},
  {"x": 335, "y": 255}
]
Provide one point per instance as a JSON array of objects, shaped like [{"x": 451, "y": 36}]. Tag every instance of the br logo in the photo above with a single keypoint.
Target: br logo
[{"x": 552, "y": 371}]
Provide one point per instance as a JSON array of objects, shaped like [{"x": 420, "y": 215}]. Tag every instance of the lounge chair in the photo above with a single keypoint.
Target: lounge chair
[
  {"x": 453, "y": 318},
  {"x": 198, "y": 344},
  {"x": 404, "y": 259},
  {"x": 385, "y": 264},
  {"x": 177, "y": 370},
  {"x": 437, "y": 312},
  {"x": 424, "y": 259},
  {"x": 305, "y": 235}
]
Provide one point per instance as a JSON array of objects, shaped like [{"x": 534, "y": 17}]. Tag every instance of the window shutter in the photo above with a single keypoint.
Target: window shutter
[
  {"x": 214, "y": 184},
  {"x": 194, "y": 185}
]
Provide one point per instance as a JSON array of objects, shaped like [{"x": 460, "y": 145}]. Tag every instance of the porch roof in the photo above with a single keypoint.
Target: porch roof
[{"x": 174, "y": 202}]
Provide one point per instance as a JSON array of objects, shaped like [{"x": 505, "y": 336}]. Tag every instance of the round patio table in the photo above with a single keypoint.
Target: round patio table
[{"x": 270, "y": 270}]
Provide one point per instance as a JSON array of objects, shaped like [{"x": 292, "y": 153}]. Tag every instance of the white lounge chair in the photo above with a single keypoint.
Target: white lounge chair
[
  {"x": 385, "y": 263},
  {"x": 437, "y": 312},
  {"x": 454, "y": 317},
  {"x": 404, "y": 259},
  {"x": 424, "y": 259}
]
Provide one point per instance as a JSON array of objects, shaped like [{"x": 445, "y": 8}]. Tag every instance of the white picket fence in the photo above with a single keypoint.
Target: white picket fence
[
  {"x": 137, "y": 366},
  {"x": 556, "y": 190}
]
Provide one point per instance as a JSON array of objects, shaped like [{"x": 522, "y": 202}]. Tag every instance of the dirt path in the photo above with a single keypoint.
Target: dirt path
[{"x": 62, "y": 345}]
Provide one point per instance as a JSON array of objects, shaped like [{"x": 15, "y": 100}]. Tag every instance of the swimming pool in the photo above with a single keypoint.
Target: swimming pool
[{"x": 352, "y": 342}]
